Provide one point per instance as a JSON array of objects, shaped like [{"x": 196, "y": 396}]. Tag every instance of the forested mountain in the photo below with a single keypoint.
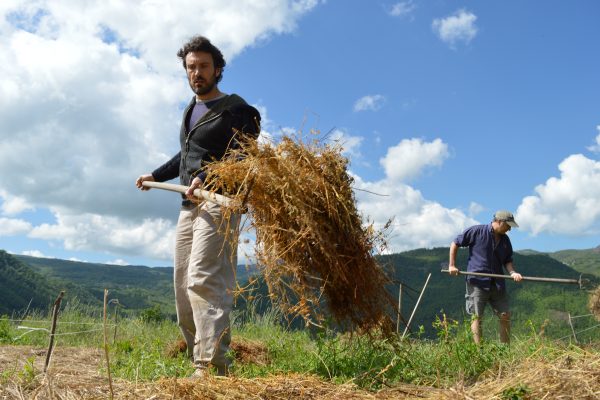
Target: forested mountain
[
  {"x": 136, "y": 287},
  {"x": 26, "y": 278},
  {"x": 584, "y": 261},
  {"x": 21, "y": 287}
]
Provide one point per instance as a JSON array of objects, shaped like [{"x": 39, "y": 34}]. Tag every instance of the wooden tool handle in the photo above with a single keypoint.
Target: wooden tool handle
[{"x": 202, "y": 194}]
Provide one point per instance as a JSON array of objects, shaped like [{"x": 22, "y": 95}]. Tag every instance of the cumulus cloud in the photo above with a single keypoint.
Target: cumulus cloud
[
  {"x": 13, "y": 205},
  {"x": 13, "y": 227},
  {"x": 89, "y": 232},
  {"x": 369, "y": 103},
  {"x": 402, "y": 9},
  {"x": 567, "y": 204},
  {"x": 118, "y": 261},
  {"x": 455, "y": 28},
  {"x": 596, "y": 147},
  {"x": 90, "y": 97},
  {"x": 417, "y": 222},
  {"x": 350, "y": 144},
  {"x": 475, "y": 208},
  {"x": 407, "y": 160},
  {"x": 35, "y": 253}
]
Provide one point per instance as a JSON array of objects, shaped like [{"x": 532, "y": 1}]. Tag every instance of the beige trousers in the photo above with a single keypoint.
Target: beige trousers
[{"x": 204, "y": 277}]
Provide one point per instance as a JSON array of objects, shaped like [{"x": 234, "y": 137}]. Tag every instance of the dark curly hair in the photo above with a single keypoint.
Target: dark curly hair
[{"x": 200, "y": 43}]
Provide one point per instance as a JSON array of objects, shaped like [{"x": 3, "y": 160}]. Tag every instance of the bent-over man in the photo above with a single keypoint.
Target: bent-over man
[{"x": 490, "y": 251}]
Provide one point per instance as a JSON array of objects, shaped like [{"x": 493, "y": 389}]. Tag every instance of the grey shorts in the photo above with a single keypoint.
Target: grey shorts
[{"x": 477, "y": 298}]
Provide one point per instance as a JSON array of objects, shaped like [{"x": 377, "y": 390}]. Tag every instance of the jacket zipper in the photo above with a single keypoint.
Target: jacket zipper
[{"x": 189, "y": 134}]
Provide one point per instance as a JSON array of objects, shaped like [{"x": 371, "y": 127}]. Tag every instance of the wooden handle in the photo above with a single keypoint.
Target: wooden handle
[{"x": 202, "y": 194}]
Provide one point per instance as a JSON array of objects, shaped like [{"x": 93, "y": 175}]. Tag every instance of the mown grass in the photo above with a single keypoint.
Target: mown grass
[{"x": 139, "y": 349}]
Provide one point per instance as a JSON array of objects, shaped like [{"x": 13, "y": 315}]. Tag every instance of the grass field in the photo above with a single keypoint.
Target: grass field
[{"x": 275, "y": 363}]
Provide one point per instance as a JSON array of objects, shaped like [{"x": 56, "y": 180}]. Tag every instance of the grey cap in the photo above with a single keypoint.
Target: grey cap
[{"x": 506, "y": 216}]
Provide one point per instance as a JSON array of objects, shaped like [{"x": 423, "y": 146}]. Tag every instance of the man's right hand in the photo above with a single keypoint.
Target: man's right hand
[
  {"x": 143, "y": 178},
  {"x": 452, "y": 270}
]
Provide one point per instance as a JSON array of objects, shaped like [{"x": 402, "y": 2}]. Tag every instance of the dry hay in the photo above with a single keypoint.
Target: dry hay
[
  {"x": 594, "y": 303},
  {"x": 571, "y": 376},
  {"x": 250, "y": 352},
  {"x": 244, "y": 351},
  {"x": 76, "y": 374},
  {"x": 311, "y": 245}
]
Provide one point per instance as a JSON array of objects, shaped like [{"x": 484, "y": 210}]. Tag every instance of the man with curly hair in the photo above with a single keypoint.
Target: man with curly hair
[{"x": 205, "y": 244}]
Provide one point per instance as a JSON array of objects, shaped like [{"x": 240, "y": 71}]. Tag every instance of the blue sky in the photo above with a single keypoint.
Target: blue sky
[{"x": 451, "y": 109}]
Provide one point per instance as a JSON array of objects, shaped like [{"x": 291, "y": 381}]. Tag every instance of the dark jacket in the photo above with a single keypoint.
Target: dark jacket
[{"x": 227, "y": 122}]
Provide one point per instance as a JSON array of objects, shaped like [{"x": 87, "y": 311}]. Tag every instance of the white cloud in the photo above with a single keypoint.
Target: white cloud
[
  {"x": 152, "y": 237},
  {"x": 12, "y": 205},
  {"x": 103, "y": 106},
  {"x": 350, "y": 144},
  {"x": 403, "y": 8},
  {"x": 596, "y": 147},
  {"x": 417, "y": 222},
  {"x": 12, "y": 227},
  {"x": 566, "y": 205},
  {"x": 369, "y": 103},
  {"x": 407, "y": 159},
  {"x": 35, "y": 253},
  {"x": 475, "y": 208},
  {"x": 458, "y": 27},
  {"x": 118, "y": 261}
]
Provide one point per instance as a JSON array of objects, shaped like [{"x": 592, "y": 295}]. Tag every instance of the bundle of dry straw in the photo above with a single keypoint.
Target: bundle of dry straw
[
  {"x": 594, "y": 303},
  {"x": 311, "y": 245}
]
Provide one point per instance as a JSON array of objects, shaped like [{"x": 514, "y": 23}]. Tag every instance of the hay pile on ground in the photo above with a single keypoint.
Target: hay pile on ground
[
  {"x": 574, "y": 375},
  {"x": 76, "y": 373},
  {"x": 594, "y": 303},
  {"x": 311, "y": 243}
]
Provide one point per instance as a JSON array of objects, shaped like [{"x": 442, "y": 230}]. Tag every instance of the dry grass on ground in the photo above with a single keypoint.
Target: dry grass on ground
[{"x": 75, "y": 374}]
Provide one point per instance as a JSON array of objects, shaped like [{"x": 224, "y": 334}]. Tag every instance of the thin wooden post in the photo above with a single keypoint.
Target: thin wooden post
[
  {"x": 399, "y": 316},
  {"x": 116, "y": 304},
  {"x": 416, "y": 305},
  {"x": 106, "y": 345},
  {"x": 572, "y": 329},
  {"x": 55, "y": 309}
]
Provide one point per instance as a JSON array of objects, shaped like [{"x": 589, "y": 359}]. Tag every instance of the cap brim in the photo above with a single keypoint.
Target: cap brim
[{"x": 512, "y": 224}]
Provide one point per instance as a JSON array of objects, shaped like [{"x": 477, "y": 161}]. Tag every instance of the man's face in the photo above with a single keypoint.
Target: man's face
[
  {"x": 201, "y": 72},
  {"x": 503, "y": 227}
]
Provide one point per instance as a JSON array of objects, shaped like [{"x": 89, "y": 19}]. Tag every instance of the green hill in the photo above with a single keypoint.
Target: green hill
[
  {"x": 139, "y": 288},
  {"x": 136, "y": 287},
  {"x": 585, "y": 261},
  {"x": 22, "y": 286}
]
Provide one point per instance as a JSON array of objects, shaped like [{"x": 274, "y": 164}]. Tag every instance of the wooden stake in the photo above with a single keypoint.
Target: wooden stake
[
  {"x": 416, "y": 305},
  {"x": 572, "y": 329},
  {"x": 106, "y": 346},
  {"x": 399, "y": 316},
  {"x": 55, "y": 309}
]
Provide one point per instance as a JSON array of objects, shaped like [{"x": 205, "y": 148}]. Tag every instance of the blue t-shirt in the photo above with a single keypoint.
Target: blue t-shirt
[{"x": 485, "y": 255}]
